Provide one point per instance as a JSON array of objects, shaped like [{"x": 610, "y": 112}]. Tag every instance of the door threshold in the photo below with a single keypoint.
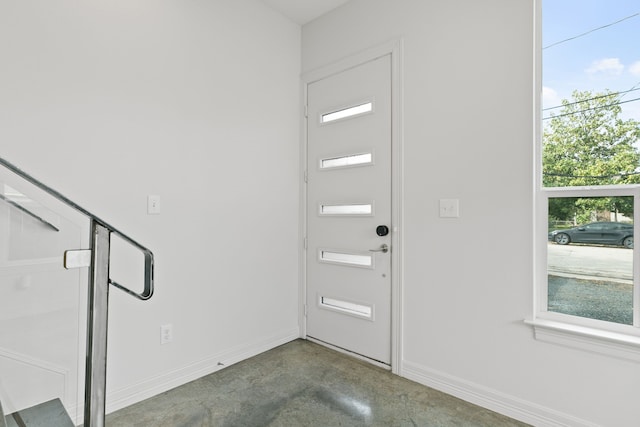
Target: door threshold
[{"x": 377, "y": 363}]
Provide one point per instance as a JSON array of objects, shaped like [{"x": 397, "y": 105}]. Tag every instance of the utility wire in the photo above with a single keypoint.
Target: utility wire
[
  {"x": 634, "y": 88},
  {"x": 618, "y": 175},
  {"x": 591, "y": 31},
  {"x": 590, "y": 109}
]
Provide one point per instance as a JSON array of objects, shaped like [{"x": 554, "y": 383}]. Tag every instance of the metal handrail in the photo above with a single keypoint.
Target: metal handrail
[
  {"x": 98, "y": 296},
  {"x": 148, "y": 270},
  {"x": 148, "y": 255}
]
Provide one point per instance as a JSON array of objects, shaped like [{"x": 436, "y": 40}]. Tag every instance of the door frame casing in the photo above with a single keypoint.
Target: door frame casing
[{"x": 394, "y": 49}]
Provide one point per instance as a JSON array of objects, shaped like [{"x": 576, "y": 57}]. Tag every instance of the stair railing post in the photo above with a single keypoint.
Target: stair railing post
[{"x": 97, "y": 321}]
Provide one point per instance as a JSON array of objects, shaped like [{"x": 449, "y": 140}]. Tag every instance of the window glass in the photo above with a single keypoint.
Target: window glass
[
  {"x": 348, "y": 259},
  {"x": 346, "y": 161},
  {"x": 590, "y": 265},
  {"x": 590, "y": 159},
  {"x": 345, "y": 113},
  {"x": 591, "y": 93},
  {"x": 355, "y": 209}
]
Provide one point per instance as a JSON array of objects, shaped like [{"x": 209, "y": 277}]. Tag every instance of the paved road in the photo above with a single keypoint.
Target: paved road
[{"x": 615, "y": 263}]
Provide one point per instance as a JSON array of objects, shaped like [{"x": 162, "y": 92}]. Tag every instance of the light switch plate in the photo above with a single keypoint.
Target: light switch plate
[
  {"x": 153, "y": 205},
  {"x": 449, "y": 208}
]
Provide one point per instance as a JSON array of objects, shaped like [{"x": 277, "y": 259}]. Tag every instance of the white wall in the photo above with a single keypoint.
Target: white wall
[
  {"x": 468, "y": 132},
  {"x": 111, "y": 100},
  {"x": 197, "y": 101}
]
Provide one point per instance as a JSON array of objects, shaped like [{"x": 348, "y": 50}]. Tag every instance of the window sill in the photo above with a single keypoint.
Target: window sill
[{"x": 597, "y": 341}]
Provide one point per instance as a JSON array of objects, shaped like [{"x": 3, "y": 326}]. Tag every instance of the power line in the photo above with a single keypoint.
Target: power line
[
  {"x": 634, "y": 88},
  {"x": 591, "y": 31},
  {"x": 590, "y": 109},
  {"x": 618, "y": 175}
]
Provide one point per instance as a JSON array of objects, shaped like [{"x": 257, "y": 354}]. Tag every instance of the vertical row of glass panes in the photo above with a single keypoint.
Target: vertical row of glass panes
[{"x": 591, "y": 142}]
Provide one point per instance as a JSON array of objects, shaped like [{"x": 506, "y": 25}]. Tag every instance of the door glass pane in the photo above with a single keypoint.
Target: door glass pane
[
  {"x": 42, "y": 305},
  {"x": 346, "y": 258},
  {"x": 344, "y": 113},
  {"x": 590, "y": 257},
  {"x": 360, "y": 209},
  {"x": 344, "y": 161},
  {"x": 347, "y": 307}
]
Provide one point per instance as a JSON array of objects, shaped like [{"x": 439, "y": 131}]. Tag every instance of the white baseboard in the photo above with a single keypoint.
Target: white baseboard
[
  {"x": 134, "y": 393},
  {"x": 496, "y": 401}
]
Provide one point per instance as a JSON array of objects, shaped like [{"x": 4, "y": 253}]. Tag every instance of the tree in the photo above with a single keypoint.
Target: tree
[
  {"x": 587, "y": 143},
  {"x": 562, "y": 208}
]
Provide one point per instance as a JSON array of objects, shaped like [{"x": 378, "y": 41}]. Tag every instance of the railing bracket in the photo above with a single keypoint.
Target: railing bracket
[{"x": 77, "y": 258}]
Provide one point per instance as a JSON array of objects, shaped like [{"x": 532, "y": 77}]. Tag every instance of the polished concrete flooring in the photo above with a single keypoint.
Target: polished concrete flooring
[{"x": 304, "y": 384}]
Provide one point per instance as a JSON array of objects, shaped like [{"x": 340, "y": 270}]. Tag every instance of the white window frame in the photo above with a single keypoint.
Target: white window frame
[{"x": 612, "y": 339}]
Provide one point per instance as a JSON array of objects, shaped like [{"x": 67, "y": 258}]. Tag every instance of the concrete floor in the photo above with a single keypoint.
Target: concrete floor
[{"x": 304, "y": 384}]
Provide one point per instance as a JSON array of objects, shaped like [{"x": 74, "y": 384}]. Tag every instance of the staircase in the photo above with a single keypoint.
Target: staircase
[
  {"x": 47, "y": 414},
  {"x": 34, "y": 227}
]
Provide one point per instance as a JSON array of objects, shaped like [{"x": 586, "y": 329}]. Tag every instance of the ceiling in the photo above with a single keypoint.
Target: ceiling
[{"x": 303, "y": 11}]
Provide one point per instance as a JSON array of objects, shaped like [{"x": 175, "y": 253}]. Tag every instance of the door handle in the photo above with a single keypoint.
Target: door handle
[{"x": 384, "y": 248}]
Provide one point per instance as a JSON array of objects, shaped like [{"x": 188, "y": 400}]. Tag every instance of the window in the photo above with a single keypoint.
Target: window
[
  {"x": 347, "y": 112},
  {"x": 347, "y": 210},
  {"x": 346, "y": 258},
  {"x": 587, "y": 203},
  {"x": 347, "y": 161},
  {"x": 346, "y": 307}
]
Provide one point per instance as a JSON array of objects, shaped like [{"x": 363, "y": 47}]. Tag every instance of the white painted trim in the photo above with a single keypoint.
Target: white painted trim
[
  {"x": 394, "y": 48},
  {"x": 539, "y": 258},
  {"x": 142, "y": 390},
  {"x": 390, "y": 48},
  {"x": 608, "y": 343},
  {"x": 302, "y": 257},
  {"x": 494, "y": 400},
  {"x": 397, "y": 202}
]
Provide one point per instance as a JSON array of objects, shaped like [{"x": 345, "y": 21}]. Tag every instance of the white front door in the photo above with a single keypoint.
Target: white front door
[{"x": 349, "y": 210}]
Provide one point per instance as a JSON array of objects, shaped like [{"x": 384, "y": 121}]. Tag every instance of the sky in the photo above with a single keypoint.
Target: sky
[{"x": 607, "y": 58}]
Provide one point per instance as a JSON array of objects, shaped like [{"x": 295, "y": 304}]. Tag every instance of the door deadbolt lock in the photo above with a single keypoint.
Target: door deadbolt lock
[{"x": 382, "y": 230}]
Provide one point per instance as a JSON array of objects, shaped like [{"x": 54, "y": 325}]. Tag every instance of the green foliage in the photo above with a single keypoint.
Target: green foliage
[
  {"x": 581, "y": 209},
  {"x": 561, "y": 209},
  {"x": 586, "y": 144}
]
